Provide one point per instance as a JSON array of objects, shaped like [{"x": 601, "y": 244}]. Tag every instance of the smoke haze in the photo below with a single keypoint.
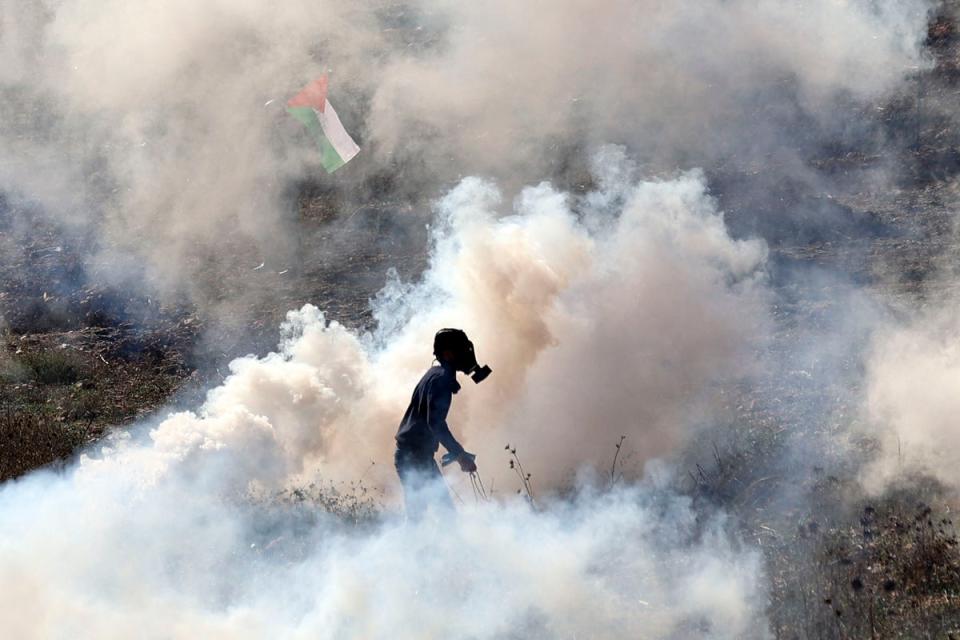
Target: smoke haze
[
  {"x": 161, "y": 126},
  {"x": 564, "y": 154}
]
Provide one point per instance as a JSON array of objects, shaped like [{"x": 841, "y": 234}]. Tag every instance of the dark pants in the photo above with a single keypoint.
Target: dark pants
[{"x": 423, "y": 484}]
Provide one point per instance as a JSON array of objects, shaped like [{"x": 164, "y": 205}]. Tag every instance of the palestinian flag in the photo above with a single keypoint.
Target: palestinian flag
[{"x": 312, "y": 108}]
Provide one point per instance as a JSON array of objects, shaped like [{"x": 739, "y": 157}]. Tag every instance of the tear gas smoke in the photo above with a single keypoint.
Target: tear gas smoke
[
  {"x": 622, "y": 311},
  {"x": 912, "y": 374},
  {"x": 157, "y": 545},
  {"x": 649, "y": 300},
  {"x": 679, "y": 82},
  {"x": 107, "y": 559},
  {"x": 148, "y": 122},
  {"x": 911, "y": 400}
]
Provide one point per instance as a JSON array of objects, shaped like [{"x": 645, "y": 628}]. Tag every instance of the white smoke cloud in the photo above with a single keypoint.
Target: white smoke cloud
[
  {"x": 106, "y": 560},
  {"x": 155, "y": 544},
  {"x": 911, "y": 403}
]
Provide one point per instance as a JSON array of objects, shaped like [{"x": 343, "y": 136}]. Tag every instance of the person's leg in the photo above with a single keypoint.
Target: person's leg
[
  {"x": 423, "y": 484},
  {"x": 439, "y": 492},
  {"x": 409, "y": 470}
]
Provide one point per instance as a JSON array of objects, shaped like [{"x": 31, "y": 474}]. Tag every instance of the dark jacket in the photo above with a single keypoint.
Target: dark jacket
[{"x": 424, "y": 426}]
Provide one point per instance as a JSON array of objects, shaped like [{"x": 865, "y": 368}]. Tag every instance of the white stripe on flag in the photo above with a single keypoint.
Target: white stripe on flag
[{"x": 341, "y": 141}]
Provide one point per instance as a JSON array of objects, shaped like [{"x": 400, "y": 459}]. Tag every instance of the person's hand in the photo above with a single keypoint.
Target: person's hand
[{"x": 467, "y": 465}]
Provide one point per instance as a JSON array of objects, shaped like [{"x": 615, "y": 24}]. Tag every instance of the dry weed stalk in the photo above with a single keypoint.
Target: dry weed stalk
[{"x": 517, "y": 467}]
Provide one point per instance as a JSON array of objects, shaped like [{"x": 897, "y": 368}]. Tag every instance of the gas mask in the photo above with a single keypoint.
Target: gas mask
[
  {"x": 467, "y": 362},
  {"x": 465, "y": 359}
]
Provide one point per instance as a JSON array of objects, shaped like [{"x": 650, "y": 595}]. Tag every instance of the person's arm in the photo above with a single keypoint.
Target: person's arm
[{"x": 439, "y": 400}]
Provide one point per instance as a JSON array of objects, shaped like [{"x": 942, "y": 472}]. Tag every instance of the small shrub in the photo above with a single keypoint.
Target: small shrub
[
  {"x": 352, "y": 503},
  {"x": 51, "y": 367}
]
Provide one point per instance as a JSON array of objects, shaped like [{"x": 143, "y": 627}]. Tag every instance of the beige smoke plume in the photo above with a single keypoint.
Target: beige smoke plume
[
  {"x": 912, "y": 399},
  {"x": 623, "y": 321}
]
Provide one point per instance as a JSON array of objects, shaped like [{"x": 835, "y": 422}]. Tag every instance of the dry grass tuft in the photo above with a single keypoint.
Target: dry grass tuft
[
  {"x": 32, "y": 439},
  {"x": 893, "y": 572}
]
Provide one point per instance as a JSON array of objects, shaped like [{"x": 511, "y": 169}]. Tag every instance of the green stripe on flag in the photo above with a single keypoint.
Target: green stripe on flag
[
  {"x": 329, "y": 157},
  {"x": 308, "y": 117}
]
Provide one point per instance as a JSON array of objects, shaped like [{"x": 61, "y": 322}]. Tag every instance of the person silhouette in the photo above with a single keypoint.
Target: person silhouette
[{"x": 424, "y": 426}]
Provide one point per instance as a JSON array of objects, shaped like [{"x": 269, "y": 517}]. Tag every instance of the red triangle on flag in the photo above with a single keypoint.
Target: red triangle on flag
[{"x": 313, "y": 95}]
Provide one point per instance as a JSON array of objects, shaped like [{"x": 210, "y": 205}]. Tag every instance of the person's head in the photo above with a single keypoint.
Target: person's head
[{"x": 454, "y": 347}]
